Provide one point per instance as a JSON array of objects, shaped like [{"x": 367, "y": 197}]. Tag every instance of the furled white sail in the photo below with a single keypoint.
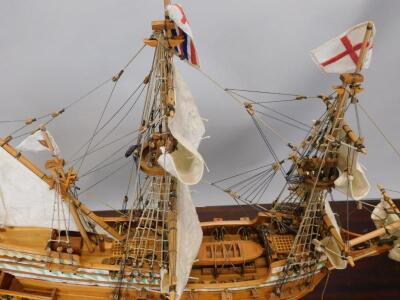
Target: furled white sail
[
  {"x": 26, "y": 200},
  {"x": 187, "y": 127},
  {"x": 186, "y": 164},
  {"x": 355, "y": 184},
  {"x": 329, "y": 245},
  {"x": 189, "y": 237},
  {"x": 381, "y": 217}
]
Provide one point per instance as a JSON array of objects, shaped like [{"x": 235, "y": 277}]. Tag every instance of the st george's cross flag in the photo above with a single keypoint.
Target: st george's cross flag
[
  {"x": 187, "y": 50},
  {"x": 341, "y": 54}
]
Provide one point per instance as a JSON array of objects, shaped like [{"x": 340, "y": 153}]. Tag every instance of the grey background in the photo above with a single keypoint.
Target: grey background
[{"x": 52, "y": 52}]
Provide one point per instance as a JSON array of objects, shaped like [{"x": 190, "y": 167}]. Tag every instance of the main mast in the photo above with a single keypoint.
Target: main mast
[{"x": 151, "y": 234}]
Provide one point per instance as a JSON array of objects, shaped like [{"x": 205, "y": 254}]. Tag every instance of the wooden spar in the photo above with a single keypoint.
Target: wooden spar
[
  {"x": 333, "y": 231},
  {"x": 159, "y": 25},
  {"x": 172, "y": 214},
  {"x": 388, "y": 199},
  {"x": 38, "y": 172},
  {"x": 82, "y": 230},
  {"x": 56, "y": 167},
  {"x": 22, "y": 159},
  {"x": 98, "y": 220},
  {"x": 354, "y": 138},
  {"x": 374, "y": 234},
  {"x": 345, "y": 231},
  {"x": 358, "y": 141},
  {"x": 364, "y": 49},
  {"x": 172, "y": 42},
  {"x": 343, "y": 95},
  {"x": 172, "y": 250},
  {"x": 166, "y": 3},
  {"x": 343, "y": 92}
]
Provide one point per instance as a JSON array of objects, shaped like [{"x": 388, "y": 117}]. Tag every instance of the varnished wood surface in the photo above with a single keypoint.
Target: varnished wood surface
[{"x": 371, "y": 279}]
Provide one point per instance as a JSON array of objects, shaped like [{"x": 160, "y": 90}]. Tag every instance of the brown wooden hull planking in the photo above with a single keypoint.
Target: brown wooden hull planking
[{"x": 234, "y": 267}]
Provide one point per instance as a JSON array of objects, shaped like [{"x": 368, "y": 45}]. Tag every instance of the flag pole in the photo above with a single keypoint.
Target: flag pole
[
  {"x": 364, "y": 48},
  {"x": 166, "y": 3}
]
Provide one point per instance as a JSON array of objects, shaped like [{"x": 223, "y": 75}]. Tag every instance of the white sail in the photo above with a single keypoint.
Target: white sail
[
  {"x": 186, "y": 164},
  {"x": 187, "y": 128},
  {"x": 40, "y": 140},
  {"x": 329, "y": 212},
  {"x": 329, "y": 245},
  {"x": 189, "y": 237},
  {"x": 25, "y": 199},
  {"x": 355, "y": 184},
  {"x": 381, "y": 218}
]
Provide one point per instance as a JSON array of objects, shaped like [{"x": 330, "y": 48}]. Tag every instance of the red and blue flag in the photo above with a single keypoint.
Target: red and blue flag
[{"x": 186, "y": 50}]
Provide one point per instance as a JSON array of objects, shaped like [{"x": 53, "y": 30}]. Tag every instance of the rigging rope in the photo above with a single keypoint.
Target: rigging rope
[
  {"x": 236, "y": 97},
  {"x": 98, "y": 123},
  {"x": 283, "y": 121},
  {"x": 109, "y": 120},
  {"x": 390, "y": 190},
  {"x": 380, "y": 130},
  {"x": 255, "y": 205},
  {"x": 220, "y": 86},
  {"x": 263, "y": 92},
  {"x": 239, "y": 174},
  {"x": 130, "y": 177},
  {"x": 123, "y": 118},
  {"x": 326, "y": 284},
  {"x": 30, "y": 121},
  {"x": 109, "y": 156},
  {"x": 282, "y": 114},
  {"x": 357, "y": 119},
  {"x": 134, "y": 57},
  {"x": 104, "y": 178},
  {"x": 286, "y": 141},
  {"x": 93, "y": 170},
  {"x": 297, "y": 99},
  {"x": 120, "y": 148},
  {"x": 12, "y": 121},
  {"x": 273, "y": 110},
  {"x": 106, "y": 145}
]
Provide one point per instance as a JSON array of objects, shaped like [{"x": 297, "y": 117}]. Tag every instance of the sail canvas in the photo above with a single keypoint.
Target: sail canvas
[
  {"x": 186, "y": 163},
  {"x": 26, "y": 200}
]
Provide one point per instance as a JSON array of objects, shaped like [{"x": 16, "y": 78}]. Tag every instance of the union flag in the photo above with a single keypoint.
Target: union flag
[{"x": 187, "y": 50}]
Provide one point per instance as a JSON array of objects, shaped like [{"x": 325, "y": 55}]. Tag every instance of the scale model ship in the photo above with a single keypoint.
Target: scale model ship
[{"x": 52, "y": 246}]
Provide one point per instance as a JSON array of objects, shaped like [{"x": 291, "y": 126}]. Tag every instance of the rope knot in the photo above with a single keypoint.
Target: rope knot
[
  {"x": 115, "y": 78},
  {"x": 249, "y": 108}
]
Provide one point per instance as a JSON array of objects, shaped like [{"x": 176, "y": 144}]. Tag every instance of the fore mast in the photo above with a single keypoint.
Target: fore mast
[{"x": 329, "y": 152}]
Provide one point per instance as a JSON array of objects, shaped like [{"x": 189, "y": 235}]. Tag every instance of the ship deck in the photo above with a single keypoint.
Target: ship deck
[{"x": 34, "y": 240}]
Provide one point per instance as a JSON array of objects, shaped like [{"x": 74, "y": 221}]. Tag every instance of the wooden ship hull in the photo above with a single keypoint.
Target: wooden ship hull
[
  {"x": 150, "y": 251},
  {"x": 229, "y": 269},
  {"x": 235, "y": 268}
]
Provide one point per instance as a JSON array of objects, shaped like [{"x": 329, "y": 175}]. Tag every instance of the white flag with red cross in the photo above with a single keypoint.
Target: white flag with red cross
[{"x": 341, "y": 54}]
